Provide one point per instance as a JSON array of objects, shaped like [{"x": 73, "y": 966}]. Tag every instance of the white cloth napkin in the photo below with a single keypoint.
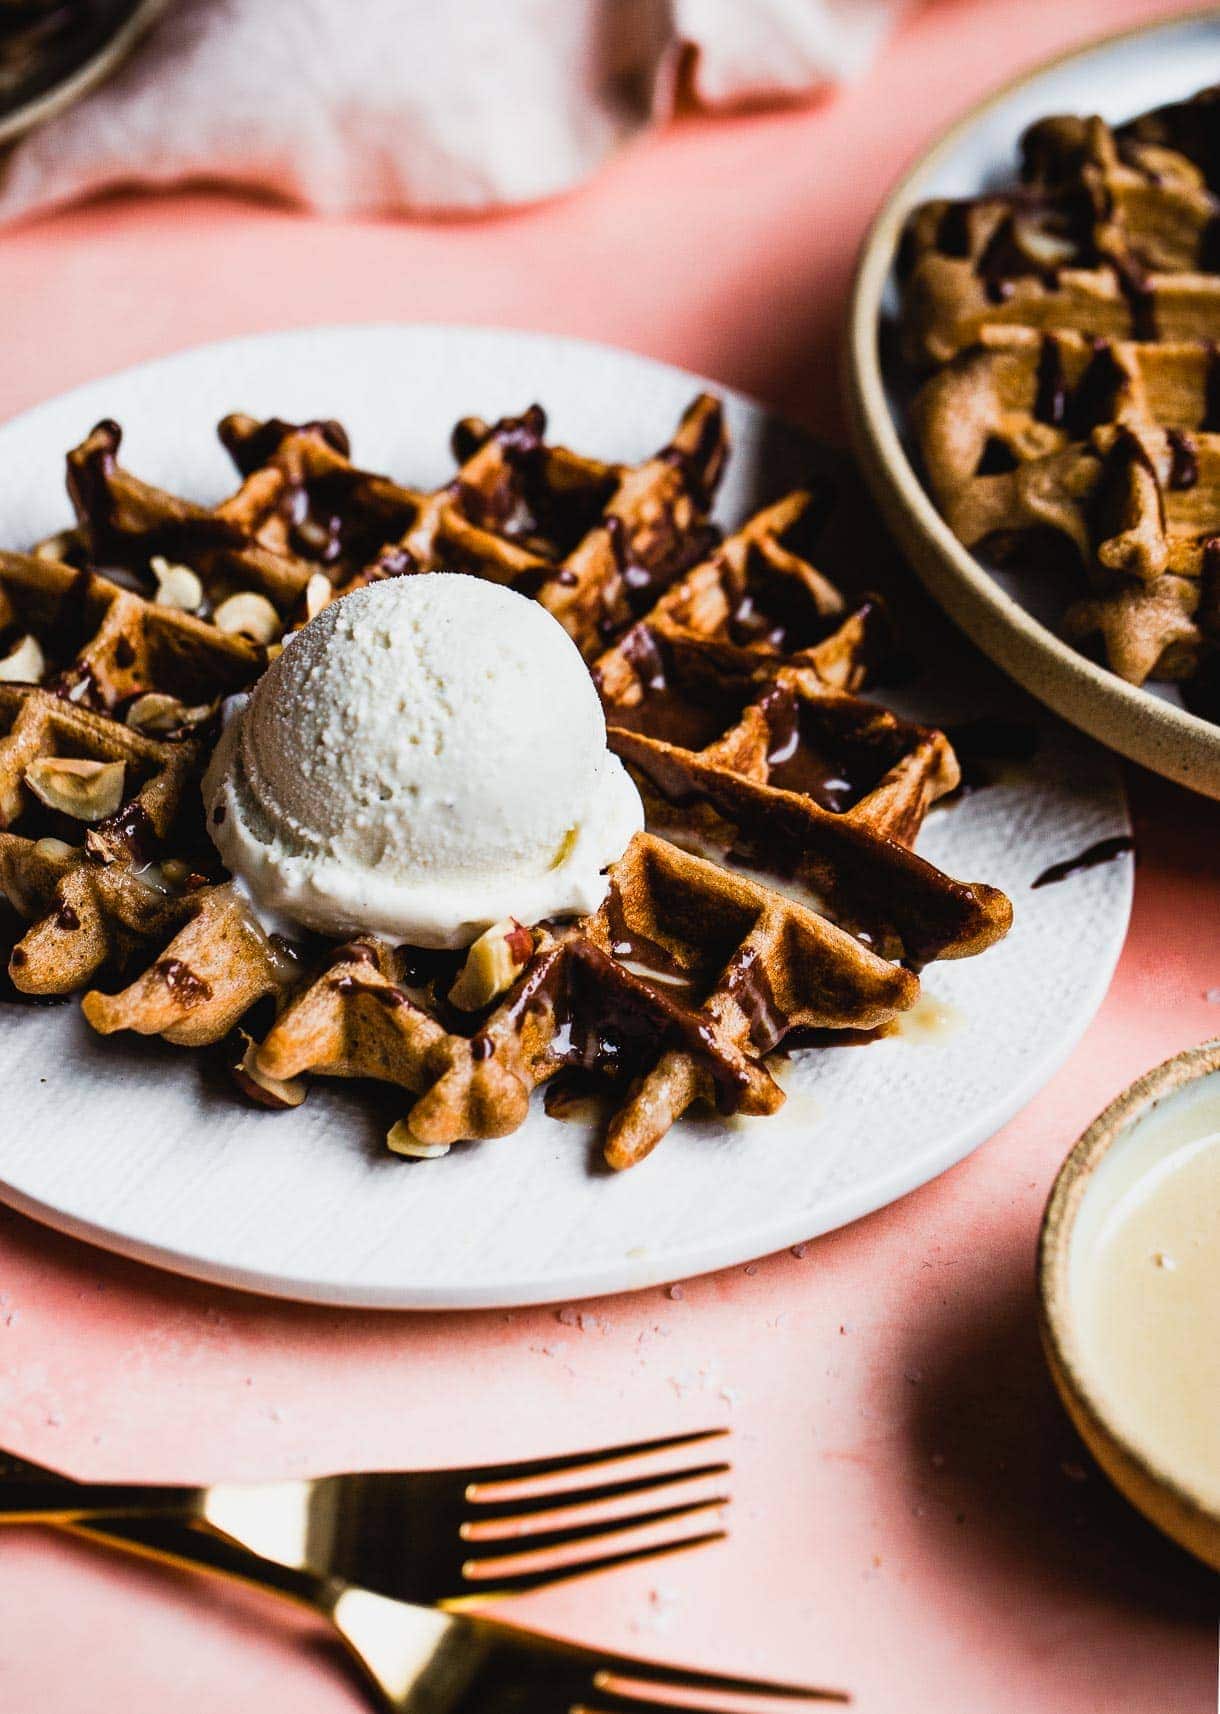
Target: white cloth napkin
[{"x": 363, "y": 106}]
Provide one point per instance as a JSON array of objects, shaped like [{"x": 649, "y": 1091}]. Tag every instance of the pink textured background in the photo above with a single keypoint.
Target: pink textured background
[{"x": 913, "y": 1517}]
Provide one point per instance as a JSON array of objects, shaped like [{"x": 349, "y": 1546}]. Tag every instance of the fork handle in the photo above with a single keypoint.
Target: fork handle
[{"x": 51, "y": 1501}]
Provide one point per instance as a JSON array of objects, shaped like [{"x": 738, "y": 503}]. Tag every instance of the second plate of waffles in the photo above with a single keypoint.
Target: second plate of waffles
[
  {"x": 462, "y": 849},
  {"x": 1035, "y": 387}
]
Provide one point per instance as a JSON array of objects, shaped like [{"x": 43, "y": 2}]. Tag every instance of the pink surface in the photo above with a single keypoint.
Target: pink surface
[{"x": 913, "y": 1517}]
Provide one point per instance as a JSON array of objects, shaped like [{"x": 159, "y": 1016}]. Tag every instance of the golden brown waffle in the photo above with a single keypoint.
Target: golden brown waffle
[
  {"x": 1078, "y": 398},
  {"x": 728, "y": 670},
  {"x": 1108, "y": 233},
  {"x": 677, "y": 987}
]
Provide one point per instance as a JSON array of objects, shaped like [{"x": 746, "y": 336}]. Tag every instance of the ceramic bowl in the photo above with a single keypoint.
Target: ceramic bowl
[
  {"x": 1128, "y": 1140},
  {"x": 1004, "y": 613}
]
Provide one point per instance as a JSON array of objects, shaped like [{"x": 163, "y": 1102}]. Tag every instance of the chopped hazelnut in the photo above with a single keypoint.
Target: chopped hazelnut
[
  {"x": 274, "y": 1092},
  {"x": 24, "y": 664},
  {"x": 402, "y": 1141},
  {"x": 248, "y": 614},
  {"x": 492, "y": 965},
  {"x": 177, "y": 585},
  {"x": 88, "y": 791}
]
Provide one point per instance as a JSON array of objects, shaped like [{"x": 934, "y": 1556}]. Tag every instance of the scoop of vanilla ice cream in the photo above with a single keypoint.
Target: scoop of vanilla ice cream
[{"x": 425, "y": 757}]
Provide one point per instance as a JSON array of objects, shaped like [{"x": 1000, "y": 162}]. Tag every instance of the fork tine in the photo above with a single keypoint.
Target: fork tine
[
  {"x": 492, "y": 1511},
  {"x": 527, "y": 1468},
  {"x": 650, "y": 1674},
  {"x": 544, "y": 1539},
  {"x": 607, "y": 1702},
  {"x": 520, "y": 1582}
]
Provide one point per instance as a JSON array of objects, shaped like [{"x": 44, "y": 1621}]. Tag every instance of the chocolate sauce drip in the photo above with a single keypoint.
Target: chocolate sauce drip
[
  {"x": 354, "y": 952},
  {"x": 632, "y": 946},
  {"x": 1094, "y": 399},
  {"x": 953, "y": 231},
  {"x": 703, "y": 464},
  {"x": 1105, "y": 851},
  {"x": 386, "y": 994},
  {"x": 617, "y": 1022},
  {"x": 641, "y": 648},
  {"x": 1050, "y": 401},
  {"x": 1183, "y": 460},
  {"x": 1136, "y": 287},
  {"x": 638, "y": 579},
  {"x": 836, "y": 768},
  {"x": 256, "y": 447},
  {"x": 1109, "y": 507},
  {"x": 690, "y": 716},
  {"x": 128, "y": 827},
  {"x": 186, "y": 987},
  {"x": 780, "y": 612},
  {"x": 1003, "y": 261},
  {"x": 745, "y": 978},
  {"x": 794, "y": 762},
  {"x": 773, "y": 833}
]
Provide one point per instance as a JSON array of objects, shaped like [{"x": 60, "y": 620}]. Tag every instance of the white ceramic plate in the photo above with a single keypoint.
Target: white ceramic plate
[
  {"x": 130, "y": 1143},
  {"x": 1002, "y": 611}
]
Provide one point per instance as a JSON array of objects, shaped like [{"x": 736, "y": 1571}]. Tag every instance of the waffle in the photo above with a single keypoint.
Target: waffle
[
  {"x": 1072, "y": 418},
  {"x": 774, "y": 897}
]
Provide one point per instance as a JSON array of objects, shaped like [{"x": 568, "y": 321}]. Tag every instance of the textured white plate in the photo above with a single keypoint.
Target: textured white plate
[
  {"x": 1010, "y": 615},
  {"x": 135, "y": 1146}
]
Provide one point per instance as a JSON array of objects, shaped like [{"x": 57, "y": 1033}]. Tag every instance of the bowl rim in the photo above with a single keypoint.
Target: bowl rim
[
  {"x": 1055, "y": 1319},
  {"x": 1126, "y": 717}
]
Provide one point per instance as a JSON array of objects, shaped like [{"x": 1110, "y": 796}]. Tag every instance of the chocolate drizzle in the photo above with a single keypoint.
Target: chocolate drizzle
[
  {"x": 185, "y": 986},
  {"x": 1094, "y": 398},
  {"x": 1050, "y": 401},
  {"x": 616, "y": 1020},
  {"x": 1105, "y": 851},
  {"x": 795, "y": 764},
  {"x": 1183, "y": 460},
  {"x": 691, "y": 716},
  {"x": 251, "y": 447},
  {"x": 745, "y": 978},
  {"x": 1139, "y": 292},
  {"x": 129, "y": 829}
]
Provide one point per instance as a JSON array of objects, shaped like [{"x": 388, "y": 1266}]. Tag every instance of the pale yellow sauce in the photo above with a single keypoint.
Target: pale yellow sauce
[
  {"x": 928, "y": 1020},
  {"x": 1149, "y": 1306}
]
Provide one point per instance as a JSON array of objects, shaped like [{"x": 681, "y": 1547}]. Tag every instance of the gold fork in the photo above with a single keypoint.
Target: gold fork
[
  {"x": 420, "y": 1536},
  {"x": 422, "y": 1661}
]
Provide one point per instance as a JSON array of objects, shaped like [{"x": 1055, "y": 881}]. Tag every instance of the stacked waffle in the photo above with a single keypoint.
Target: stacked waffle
[
  {"x": 1074, "y": 402},
  {"x": 774, "y": 897}
]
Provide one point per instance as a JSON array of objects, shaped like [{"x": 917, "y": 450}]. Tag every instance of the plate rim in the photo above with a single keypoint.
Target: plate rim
[
  {"x": 1169, "y": 740},
  {"x": 629, "y": 1273}
]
